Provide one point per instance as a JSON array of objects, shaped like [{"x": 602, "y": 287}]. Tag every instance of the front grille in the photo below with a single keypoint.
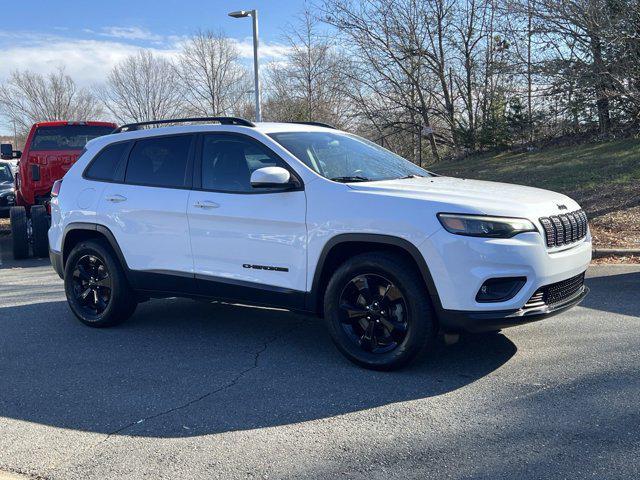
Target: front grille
[
  {"x": 565, "y": 228},
  {"x": 556, "y": 292}
]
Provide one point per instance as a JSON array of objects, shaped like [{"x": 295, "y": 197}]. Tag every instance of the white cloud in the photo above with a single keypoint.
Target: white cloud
[
  {"x": 130, "y": 33},
  {"x": 86, "y": 61},
  {"x": 89, "y": 60},
  {"x": 272, "y": 51}
]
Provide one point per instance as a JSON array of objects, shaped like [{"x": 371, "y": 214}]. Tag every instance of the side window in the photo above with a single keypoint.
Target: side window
[
  {"x": 228, "y": 162},
  {"x": 160, "y": 162},
  {"x": 106, "y": 164}
]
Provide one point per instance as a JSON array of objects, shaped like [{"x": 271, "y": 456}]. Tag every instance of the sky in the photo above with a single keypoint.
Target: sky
[{"x": 88, "y": 37}]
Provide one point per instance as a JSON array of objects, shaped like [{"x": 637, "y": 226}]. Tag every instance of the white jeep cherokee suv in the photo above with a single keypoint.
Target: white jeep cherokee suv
[{"x": 312, "y": 219}]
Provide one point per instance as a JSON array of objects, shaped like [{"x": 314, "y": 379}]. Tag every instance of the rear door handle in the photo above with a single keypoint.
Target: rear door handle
[
  {"x": 206, "y": 204},
  {"x": 116, "y": 199}
]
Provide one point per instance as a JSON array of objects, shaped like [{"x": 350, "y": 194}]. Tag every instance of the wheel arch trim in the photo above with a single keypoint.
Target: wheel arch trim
[
  {"x": 383, "y": 240},
  {"x": 96, "y": 227}
]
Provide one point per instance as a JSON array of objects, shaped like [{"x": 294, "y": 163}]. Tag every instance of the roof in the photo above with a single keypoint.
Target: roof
[{"x": 264, "y": 128}]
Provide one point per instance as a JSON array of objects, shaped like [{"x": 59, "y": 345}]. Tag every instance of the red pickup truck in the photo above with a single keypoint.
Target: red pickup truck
[{"x": 50, "y": 150}]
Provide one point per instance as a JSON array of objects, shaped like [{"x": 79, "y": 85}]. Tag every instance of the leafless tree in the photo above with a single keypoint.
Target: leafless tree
[
  {"x": 404, "y": 54},
  {"x": 28, "y": 97},
  {"x": 309, "y": 84},
  {"x": 142, "y": 87},
  {"x": 213, "y": 80}
]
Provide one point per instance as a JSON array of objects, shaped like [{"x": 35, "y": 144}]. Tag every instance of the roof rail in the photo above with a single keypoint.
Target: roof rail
[
  {"x": 130, "y": 127},
  {"x": 315, "y": 124}
]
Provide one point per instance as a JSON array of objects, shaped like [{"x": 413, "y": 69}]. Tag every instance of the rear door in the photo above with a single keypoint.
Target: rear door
[
  {"x": 253, "y": 239},
  {"x": 146, "y": 209}
]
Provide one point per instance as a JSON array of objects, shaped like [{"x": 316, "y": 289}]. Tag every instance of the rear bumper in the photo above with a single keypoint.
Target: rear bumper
[
  {"x": 483, "y": 321},
  {"x": 56, "y": 262}
]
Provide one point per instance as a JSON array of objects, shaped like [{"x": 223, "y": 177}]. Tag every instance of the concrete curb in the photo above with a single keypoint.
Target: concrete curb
[{"x": 615, "y": 252}]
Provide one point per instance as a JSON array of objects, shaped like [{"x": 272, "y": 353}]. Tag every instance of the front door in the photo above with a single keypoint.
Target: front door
[{"x": 248, "y": 244}]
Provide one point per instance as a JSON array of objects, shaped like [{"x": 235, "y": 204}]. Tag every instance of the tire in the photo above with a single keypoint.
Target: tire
[
  {"x": 405, "y": 307},
  {"x": 19, "y": 234},
  {"x": 92, "y": 266},
  {"x": 39, "y": 231}
]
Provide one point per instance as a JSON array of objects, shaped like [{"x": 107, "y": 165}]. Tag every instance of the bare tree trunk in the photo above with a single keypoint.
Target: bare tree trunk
[{"x": 602, "y": 99}]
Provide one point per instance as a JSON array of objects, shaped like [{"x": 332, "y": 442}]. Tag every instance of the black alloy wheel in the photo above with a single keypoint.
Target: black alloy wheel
[
  {"x": 373, "y": 313},
  {"x": 92, "y": 285},
  {"x": 378, "y": 310}
]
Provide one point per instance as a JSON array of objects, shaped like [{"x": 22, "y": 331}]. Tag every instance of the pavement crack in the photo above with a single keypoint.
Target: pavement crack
[
  {"x": 234, "y": 381},
  {"x": 230, "y": 384}
]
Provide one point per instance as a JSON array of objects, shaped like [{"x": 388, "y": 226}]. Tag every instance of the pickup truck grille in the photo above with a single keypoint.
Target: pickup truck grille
[
  {"x": 556, "y": 292},
  {"x": 564, "y": 229}
]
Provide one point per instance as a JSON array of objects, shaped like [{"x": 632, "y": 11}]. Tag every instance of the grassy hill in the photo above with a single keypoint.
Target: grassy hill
[{"x": 603, "y": 177}]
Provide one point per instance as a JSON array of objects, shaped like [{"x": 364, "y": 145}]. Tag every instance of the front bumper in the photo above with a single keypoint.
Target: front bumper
[
  {"x": 475, "y": 322},
  {"x": 460, "y": 265}
]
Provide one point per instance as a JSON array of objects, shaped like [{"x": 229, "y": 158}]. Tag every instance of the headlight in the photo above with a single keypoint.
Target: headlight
[{"x": 481, "y": 226}]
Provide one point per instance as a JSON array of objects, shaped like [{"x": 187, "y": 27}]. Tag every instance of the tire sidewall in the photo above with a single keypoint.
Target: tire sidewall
[
  {"x": 419, "y": 311},
  {"x": 110, "y": 315}
]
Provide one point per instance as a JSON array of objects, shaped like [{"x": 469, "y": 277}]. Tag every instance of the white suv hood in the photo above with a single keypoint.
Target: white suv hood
[{"x": 474, "y": 196}]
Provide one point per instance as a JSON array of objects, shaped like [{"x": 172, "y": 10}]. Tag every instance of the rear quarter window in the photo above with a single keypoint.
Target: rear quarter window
[
  {"x": 159, "y": 162},
  {"x": 108, "y": 162}
]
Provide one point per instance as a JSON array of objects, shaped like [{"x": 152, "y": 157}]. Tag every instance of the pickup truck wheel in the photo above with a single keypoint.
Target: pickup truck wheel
[
  {"x": 39, "y": 229},
  {"x": 378, "y": 311},
  {"x": 20, "y": 238},
  {"x": 96, "y": 287}
]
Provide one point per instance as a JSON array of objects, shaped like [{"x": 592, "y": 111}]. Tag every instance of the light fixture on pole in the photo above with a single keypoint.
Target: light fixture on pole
[{"x": 254, "y": 15}]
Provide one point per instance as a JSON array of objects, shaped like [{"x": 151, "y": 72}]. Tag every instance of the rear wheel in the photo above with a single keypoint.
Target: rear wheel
[
  {"x": 19, "y": 233},
  {"x": 378, "y": 311},
  {"x": 39, "y": 229},
  {"x": 96, "y": 287}
]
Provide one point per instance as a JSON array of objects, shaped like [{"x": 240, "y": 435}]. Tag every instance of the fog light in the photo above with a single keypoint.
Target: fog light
[{"x": 500, "y": 289}]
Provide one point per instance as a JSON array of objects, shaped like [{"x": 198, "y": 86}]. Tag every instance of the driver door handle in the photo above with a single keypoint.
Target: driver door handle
[
  {"x": 115, "y": 198},
  {"x": 205, "y": 204}
]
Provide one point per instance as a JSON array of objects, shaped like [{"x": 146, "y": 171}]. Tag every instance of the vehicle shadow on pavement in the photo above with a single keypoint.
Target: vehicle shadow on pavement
[
  {"x": 181, "y": 368},
  {"x": 622, "y": 299}
]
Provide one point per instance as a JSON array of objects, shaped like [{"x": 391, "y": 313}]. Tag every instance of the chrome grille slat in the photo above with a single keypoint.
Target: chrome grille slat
[{"x": 564, "y": 229}]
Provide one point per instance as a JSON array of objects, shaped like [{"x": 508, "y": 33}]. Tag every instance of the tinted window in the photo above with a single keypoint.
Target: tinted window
[
  {"x": 106, "y": 163},
  {"x": 228, "y": 162},
  {"x": 5, "y": 173},
  {"x": 66, "y": 137},
  {"x": 160, "y": 161}
]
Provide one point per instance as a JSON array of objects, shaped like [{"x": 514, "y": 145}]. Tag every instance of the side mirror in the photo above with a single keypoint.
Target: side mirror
[
  {"x": 8, "y": 153},
  {"x": 272, "y": 177}
]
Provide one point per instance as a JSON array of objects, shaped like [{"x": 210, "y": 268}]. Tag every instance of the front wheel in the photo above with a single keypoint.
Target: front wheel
[
  {"x": 378, "y": 311},
  {"x": 96, "y": 286}
]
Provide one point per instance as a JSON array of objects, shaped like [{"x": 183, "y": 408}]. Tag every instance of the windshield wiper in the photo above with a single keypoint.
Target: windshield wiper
[
  {"x": 412, "y": 175},
  {"x": 354, "y": 178}
]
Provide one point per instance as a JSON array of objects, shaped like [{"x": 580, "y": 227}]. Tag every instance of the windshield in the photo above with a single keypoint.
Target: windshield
[
  {"x": 68, "y": 137},
  {"x": 346, "y": 158},
  {"x": 5, "y": 173}
]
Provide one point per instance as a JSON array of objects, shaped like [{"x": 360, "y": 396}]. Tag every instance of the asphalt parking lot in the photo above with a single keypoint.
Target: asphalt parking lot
[{"x": 193, "y": 390}]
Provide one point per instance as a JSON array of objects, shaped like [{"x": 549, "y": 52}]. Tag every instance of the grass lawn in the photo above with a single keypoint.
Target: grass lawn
[{"x": 603, "y": 177}]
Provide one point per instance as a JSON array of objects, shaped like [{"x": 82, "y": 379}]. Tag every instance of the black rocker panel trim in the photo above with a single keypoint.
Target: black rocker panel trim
[{"x": 162, "y": 283}]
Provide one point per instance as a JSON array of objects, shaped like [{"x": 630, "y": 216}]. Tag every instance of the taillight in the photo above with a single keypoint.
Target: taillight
[{"x": 55, "y": 190}]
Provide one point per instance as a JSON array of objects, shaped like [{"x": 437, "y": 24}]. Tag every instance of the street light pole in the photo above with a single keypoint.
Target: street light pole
[{"x": 256, "y": 69}]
